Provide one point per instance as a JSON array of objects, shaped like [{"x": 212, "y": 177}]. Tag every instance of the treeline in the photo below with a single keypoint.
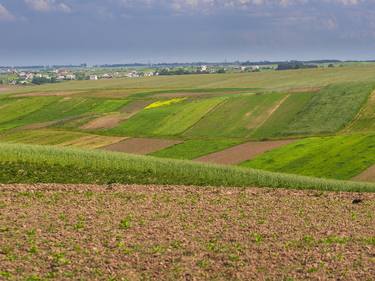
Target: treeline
[{"x": 294, "y": 65}]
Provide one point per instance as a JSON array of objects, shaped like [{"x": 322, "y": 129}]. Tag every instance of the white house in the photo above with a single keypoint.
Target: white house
[
  {"x": 204, "y": 68},
  {"x": 93, "y": 77},
  {"x": 70, "y": 77}
]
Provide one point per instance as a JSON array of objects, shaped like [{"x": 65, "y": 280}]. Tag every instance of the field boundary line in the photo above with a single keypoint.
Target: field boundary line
[
  {"x": 359, "y": 114},
  {"x": 208, "y": 112},
  {"x": 273, "y": 110}
]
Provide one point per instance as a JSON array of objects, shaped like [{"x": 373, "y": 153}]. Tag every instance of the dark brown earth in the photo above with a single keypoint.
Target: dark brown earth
[
  {"x": 59, "y": 232},
  {"x": 368, "y": 175},
  {"x": 141, "y": 145},
  {"x": 242, "y": 152}
]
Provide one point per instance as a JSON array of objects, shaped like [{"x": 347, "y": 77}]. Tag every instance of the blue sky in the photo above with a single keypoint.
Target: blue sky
[{"x": 123, "y": 31}]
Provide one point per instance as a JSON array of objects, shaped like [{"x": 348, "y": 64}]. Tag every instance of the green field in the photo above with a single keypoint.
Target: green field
[
  {"x": 192, "y": 149},
  {"x": 331, "y": 109},
  {"x": 339, "y": 157},
  {"x": 166, "y": 120},
  {"x": 34, "y": 110},
  {"x": 209, "y": 113},
  {"x": 237, "y": 117},
  {"x": 45, "y": 164},
  {"x": 279, "y": 121},
  {"x": 58, "y": 137}
]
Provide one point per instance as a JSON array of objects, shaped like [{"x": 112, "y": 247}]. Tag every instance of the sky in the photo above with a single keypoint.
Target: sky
[{"x": 41, "y": 32}]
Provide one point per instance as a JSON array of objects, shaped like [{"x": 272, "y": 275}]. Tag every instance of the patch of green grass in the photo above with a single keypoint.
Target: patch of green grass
[
  {"x": 365, "y": 120},
  {"x": 192, "y": 149},
  {"x": 279, "y": 121},
  {"x": 45, "y": 137},
  {"x": 68, "y": 108},
  {"x": 339, "y": 157},
  {"x": 237, "y": 117},
  {"x": 167, "y": 120},
  {"x": 330, "y": 110},
  {"x": 12, "y": 112},
  {"x": 45, "y": 164}
]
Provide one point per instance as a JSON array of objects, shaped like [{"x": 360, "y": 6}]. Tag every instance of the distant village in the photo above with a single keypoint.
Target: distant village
[{"x": 38, "y": 75}]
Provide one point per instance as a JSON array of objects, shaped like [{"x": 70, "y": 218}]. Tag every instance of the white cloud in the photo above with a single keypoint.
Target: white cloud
[
  {"x": 5, "y": 14},
  {"x": 48, "y": 5}
]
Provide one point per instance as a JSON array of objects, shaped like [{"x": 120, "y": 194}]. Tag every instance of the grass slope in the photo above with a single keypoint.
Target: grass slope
[
  {"x": 237, "y": 117},
  {"x": 44, "y": 164},
  {"x": 339, "y": 157},
  {"x": 12, "y": 111},
  {"x": 192, "y": 149},
  {"x": 279, "y": 121},
  {"x": 65, "y": 108},
  {"x": 166, "y": 120},
  {"x": 331, "y": 109},
  {"x": 58, "y": 137},
  {"x": 365, "y": 120}
]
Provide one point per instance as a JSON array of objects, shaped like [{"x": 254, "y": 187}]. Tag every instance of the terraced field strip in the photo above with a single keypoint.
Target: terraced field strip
[
  {"x": 91, "y": 232},
  {"x": 46, "y": 94},
  {"x": 166, "y": 120},
  {"x": 236, "y": 117},
  {"x": 59, "y": 138},
  {"x": 93, "y": 141},
  {"x": 104, "y": 122},
  {"x": 191, "y": 149},
  {"x": 338, "y": 157},
  {"x": 141, "y": 145},
  {"x": 368, "y": 175},
  {"x": 330, "y": 109},
  {"x": 242, "y": 152},
  {"x": 283, "y": 116},
  {"x": 365, "y": 120}
]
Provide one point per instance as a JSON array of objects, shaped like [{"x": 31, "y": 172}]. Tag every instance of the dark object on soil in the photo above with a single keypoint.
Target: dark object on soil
[{"x": 357, "y": 201}]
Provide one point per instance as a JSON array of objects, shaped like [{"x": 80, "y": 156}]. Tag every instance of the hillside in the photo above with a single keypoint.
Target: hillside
[{"x": 210, "y": 118}]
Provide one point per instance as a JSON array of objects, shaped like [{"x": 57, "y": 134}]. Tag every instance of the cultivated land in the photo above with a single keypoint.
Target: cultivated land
[
  {"x": 148, "y": 217},
  {"x": 202, "y": 115},
  {"x": 242, "y": 152},
  {"x": 140, "y": 146},
  {"x": 60, "y": 232}
]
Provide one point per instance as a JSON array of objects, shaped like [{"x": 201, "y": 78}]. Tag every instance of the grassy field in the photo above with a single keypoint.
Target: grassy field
[
  {"x": 339, "y": 157},
  {"x": 166, "y": 120},
  {"x": 13, "y": 110},
  {"x": 330, "y": 110},
  {"x": 192, "y": 149},
  {"x": 58, "y": 137},
  {"x": 365, "y": 119},
  {"x": 26, "y": 111},
  {"x": 237, "y": 117},
  {"x": 45, "y": 164},
  {"x": 206, "y": 113},
  {"x": 277, "y": 124}
]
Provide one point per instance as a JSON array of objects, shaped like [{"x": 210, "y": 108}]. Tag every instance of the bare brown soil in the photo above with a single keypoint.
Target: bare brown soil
[
  {"x": 242, "y": 152},
  {"x": 304, "y": 90},
  {"x": 134, "y": 107},
  {"x": 46, "y": 94},
  {"x": 104, "y": 122},
  {"x": 141, "y": 145},
  {"x": 57, "y": 232},
  {"x": 4, "y": 89},
  {"x": 368, "y": 175},
  {"x": 39, "y": 125},
  {"x": 111, "y": 121}
]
